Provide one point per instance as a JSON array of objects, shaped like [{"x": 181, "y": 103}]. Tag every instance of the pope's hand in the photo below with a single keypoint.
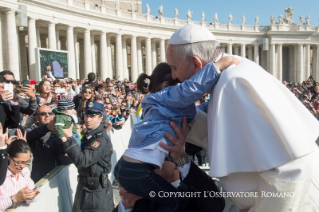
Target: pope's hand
[{"x": 178, "y": 149}]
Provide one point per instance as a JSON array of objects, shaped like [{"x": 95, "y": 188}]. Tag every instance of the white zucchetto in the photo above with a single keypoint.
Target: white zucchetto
[{"x": 191, "y": 34}]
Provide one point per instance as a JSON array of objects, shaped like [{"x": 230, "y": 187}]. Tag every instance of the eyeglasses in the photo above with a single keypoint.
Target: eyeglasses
[
  {"x": 45, "y": 113},
  {"x": 21, "y": 162},
  {"x": 89, "y": 92},
  {"x": 11, "y": 81}
]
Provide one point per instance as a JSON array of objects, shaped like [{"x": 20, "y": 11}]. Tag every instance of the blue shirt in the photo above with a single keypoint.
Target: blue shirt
[{"x": 171, "y": 104}]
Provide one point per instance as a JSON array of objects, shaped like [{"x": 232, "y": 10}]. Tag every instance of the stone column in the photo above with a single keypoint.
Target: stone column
[
  {"x": 256, "y": 53},
  {"x": 230, "y": 48},
  {"x": 272, "y": 59},
  {"x": 124, "y": 50},
  {"x": 236, "y": 50},
  {"x": 93, "y": 54},
  {"x": 317, "y": 63},
  {"x": 148, "y": 56},
  {"x": 103, "y": 56},
  {"x": 243, "y": 50},
  {"x": 71, "y": 48},
  {"x": 57, "y": 36},
  {"x": 38, "y": 38},
  {"x": 296, "y": 69},
  {"x": 262, "y": 59},
  {"x": 31, "y": 49},
  {"x": 314, "y": 62},
  {"x": 250, "y": 53},
  {"x": 154, "y": 56},
  {"x": 279, "y": 73},
  {"x": 307, "y": 62},
  {"x": 12, "y": 42},
  {"x": 76, "y": 55},
  {"x": 119, "y": 57},
  {"x": 81, "y": 60},
  {"x": 291, "y": 64},
  {"x": 300, "y": 63},
  {"x": 134, "y": 73},
  {"x": 162, "y": 47},
  {"x": 87, "y": 53},
  {"x": 139, "y": 57},
  {"x": 52, "y": 36},
  {"x": 23, "y": 56},
  {"x": 109, "y": 56}
]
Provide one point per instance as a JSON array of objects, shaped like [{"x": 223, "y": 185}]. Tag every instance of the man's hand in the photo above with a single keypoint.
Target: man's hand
[
  {"x": 178, "y": 149},
  {"x": 29, "y": 90},
  {"x": 22, "y": 136},
  {"x": 14, "y": 100},
  {"x": 3, "y": 136},
  {"x": 6, "y": 95},
  {"x": 128, "y": 199},
  {"x": 225, "y": 62},
  {"x": 51, "y": 125},
  {"x": 67, "y": 132}
]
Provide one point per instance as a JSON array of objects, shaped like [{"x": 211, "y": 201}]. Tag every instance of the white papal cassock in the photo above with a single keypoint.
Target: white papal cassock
[{"x": 260, "y": 139}]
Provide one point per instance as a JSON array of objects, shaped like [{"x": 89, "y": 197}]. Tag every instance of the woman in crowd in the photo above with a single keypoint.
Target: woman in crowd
[
  {"x": 44, "y": 95},
  {"x": 87, "y": 95},
  {"x": 18, "y": 186}
]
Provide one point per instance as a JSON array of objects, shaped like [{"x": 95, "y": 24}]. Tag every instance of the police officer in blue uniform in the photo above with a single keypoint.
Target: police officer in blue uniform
[{"x": 93, "y": 160}]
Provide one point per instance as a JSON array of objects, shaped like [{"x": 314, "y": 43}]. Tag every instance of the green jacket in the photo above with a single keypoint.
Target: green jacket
[{"x": 63, "y": 121}]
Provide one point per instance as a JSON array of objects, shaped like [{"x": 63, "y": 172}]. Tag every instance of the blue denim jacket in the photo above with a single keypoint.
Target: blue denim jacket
[{"x": 171, "y": 104}]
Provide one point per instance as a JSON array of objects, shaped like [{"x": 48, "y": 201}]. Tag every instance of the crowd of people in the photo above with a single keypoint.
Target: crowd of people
[
  {"x": 28, "y": 123},
  {"x": 32, "y": 112}
]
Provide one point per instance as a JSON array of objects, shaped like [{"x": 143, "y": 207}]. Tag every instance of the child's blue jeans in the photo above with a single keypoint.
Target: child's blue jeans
[{"x": 141, "y": 180}]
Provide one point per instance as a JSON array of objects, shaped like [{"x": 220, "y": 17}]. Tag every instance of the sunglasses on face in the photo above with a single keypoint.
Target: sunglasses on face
[
  {"x": 19, "y": 163},
  {"x": 45, "y": 113},
  {"x": 11, "y": 81}
]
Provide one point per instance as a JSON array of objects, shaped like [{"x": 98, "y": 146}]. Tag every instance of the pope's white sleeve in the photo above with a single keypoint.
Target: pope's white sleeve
[{"x": 198, "y": 134}]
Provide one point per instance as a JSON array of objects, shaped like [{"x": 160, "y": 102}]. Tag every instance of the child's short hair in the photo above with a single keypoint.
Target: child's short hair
[{"x": 152, "y": 84}]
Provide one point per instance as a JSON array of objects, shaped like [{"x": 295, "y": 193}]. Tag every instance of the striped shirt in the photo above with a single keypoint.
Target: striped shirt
[{"x": 11, "y": 186}]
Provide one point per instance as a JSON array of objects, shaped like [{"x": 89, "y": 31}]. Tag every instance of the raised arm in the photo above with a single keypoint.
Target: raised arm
[{"x": 184, "y": 94}]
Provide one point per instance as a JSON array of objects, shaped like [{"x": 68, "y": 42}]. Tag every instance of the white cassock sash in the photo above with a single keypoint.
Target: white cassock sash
[{"x": 255, "y": 123}]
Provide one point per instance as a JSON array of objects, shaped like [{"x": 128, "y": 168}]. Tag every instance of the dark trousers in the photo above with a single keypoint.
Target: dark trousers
[{"x": 141, "y": 180}]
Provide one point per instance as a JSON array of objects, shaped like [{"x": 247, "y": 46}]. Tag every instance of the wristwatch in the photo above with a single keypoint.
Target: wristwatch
[
  {"x": 184, "y": 160},
  {"x": 13, "y": 203}
]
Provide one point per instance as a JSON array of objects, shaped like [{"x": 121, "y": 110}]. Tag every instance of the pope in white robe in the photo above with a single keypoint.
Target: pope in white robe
[{"x": 260, "y": 138}]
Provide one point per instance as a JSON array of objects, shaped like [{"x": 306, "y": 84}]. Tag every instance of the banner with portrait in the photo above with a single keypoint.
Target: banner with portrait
[{"x": 52, "y": 62}]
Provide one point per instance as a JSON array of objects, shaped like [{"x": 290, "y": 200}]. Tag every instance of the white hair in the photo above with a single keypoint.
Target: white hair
[{"x": 207, "y": 51}]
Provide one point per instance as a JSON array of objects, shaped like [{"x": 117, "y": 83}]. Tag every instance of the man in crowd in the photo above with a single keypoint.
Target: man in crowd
[
  {"x": 259, "y": 140},
  {"x": 45, "y": 144},
  {"x": 93, "y": 160},
  {"x": 25, "y": 108},
  {"x": 91, "y": 80},
  {"x": 9, "y": 107}
]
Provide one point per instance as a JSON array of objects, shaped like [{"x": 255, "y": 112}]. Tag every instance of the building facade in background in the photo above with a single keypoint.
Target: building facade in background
[{"x": 114, "y": 39}]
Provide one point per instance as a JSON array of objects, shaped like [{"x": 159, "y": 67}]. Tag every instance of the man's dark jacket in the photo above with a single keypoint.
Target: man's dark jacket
[
  {"x": 46, "y": 149},
  {"x": 196, "y": 181}
]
